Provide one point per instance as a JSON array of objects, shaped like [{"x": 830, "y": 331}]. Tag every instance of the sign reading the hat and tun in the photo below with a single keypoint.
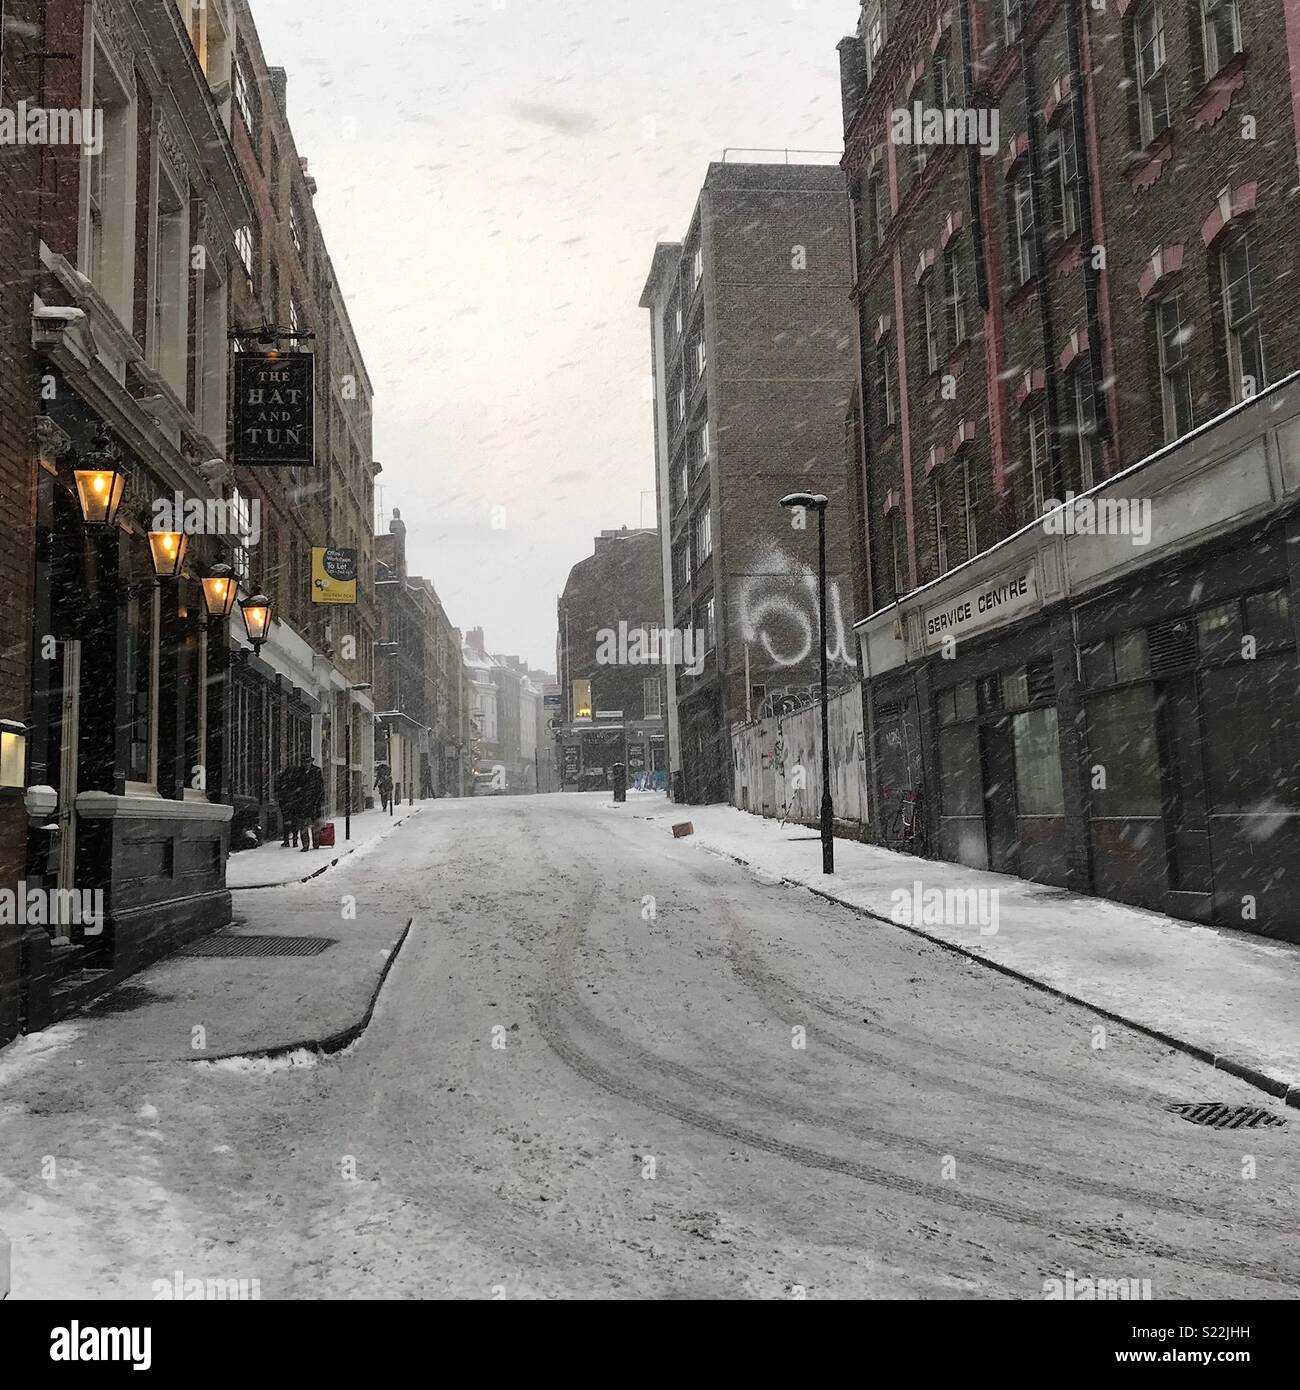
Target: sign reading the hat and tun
[
  {"x": 333, "y": 575},
  {"x": 275, "y": 405}
]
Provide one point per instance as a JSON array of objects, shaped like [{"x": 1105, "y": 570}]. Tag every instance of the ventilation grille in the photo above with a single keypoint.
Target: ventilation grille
[
  {"x": 1042, "y": 682},
  {"x": 1172, "y": 646}
]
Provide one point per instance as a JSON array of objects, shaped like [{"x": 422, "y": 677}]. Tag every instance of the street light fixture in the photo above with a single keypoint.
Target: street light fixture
[
  {"x": 101, "y": 482},
  {"x": 220, "y": 589},
  {"x": 257, "y": 619},
  {"x": 168, "y": 549},
  {"x": 818, "y": 502}
]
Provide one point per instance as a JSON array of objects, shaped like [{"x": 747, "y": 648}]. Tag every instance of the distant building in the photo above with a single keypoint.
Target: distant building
[
  {"x": 506, "y": 711},
  {"x": 610, "y": 648},
  {"x": 753, "y": 354},
  {"x": 419, "y": 679}
]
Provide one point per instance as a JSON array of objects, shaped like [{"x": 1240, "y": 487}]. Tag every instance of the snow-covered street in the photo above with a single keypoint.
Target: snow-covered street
[{"x": 611, "y": 1064}]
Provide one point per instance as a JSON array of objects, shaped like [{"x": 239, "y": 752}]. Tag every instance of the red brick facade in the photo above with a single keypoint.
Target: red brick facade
[
  {"x": 958, "y": 455},
  {"x": 19, "y": 176}
]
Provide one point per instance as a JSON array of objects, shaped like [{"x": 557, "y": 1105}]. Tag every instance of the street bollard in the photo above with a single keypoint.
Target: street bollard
[{"x": 619, "y": 775}]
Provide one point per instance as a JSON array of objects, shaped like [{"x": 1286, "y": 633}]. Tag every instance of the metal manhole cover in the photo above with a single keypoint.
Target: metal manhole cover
[
  {"x": 227, "y": 946},
  {"x": 1219, "y": 1116}
]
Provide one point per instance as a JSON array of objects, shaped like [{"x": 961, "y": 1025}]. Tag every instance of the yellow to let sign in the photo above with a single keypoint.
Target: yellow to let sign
[{"x": 333, "y": 575}]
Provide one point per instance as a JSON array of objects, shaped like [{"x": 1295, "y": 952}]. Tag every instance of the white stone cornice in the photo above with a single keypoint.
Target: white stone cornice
[{"x": 106, "y": 806}]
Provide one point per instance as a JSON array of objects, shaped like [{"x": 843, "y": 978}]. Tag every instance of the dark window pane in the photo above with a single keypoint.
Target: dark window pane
[
  {"x": 1254, "y": 754},
  {"x": 1122, "y": 740},
  {"x": 947, "y": 706},
  {"x": 1132, "y": 658},
  {"x": 960, "y": 777},
  {"x": 990, "y": 694},
  {"x": 1268, "y": 619},
  {"x": 1219, "y": 629},
  {"x": 1099, "y": 664},
  {"x": 966, "y": 705}
]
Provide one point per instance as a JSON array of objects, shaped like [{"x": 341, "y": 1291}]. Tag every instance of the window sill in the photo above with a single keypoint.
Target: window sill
[
  {"x": 1211, "y": 102},
  {"x": 1067, "y": 256},
  {"x": 956, "y": 359},
  {"x": 1143, "y": 167},
  {"x": 951, "y": 366}
]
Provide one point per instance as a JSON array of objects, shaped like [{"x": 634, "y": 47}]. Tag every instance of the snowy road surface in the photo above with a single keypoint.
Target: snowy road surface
[{"x": 646, "y": 1124}]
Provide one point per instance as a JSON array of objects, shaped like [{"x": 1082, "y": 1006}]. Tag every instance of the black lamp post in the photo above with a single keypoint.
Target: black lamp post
[{"x": 817, "y": 502}]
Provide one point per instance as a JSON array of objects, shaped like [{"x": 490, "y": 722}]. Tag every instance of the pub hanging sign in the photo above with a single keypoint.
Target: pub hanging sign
[{"x": 275, "y": 408}]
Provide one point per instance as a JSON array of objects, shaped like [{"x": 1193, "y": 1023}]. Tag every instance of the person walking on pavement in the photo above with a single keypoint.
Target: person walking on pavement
[
  {"x": 311, "y": 802},
  {"x": 286, "y": 795},
  {"x": 384, "y": 781}
]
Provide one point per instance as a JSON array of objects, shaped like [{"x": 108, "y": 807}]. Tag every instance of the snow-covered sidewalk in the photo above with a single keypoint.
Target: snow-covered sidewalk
[
  {"x": 272, "y": 866},
  {"x": 1222, "y": 993}
]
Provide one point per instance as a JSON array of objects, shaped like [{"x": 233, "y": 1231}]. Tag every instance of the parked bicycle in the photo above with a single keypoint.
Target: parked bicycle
[
  {"x": 906, "y": 828},
  {"x": 793, "y": 810}
]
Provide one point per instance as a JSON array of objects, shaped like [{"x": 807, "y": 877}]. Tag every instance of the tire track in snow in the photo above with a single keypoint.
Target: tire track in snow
[{"x": 549, "y": 1015}]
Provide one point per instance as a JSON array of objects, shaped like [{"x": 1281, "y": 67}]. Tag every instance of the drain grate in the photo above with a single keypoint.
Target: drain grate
[
  {"x": 1219, "y": 1116},
  {"x": 228, "y": 946}
]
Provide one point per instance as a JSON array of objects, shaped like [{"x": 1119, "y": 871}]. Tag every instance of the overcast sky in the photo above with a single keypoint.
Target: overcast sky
[{"x": 493, "y": 176}]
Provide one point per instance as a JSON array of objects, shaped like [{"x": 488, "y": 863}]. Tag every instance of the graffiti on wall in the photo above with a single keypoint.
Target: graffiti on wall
[{"x": 777, "y": 605}]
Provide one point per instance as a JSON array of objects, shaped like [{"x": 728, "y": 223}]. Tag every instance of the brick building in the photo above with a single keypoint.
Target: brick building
[
  {"x": 1082, "y": 320},
  {"x": 752, "y": 350},
  {"x": 420, "y": 689},
  {"x": 19, "y": 191},
  {"x": 126, "y": 266},
  {"x": 129, "y": 328},
  {"x": 611, "y": 685},
  {"x": 503, "y": 715},
  {"x": 300, "y": 693}
]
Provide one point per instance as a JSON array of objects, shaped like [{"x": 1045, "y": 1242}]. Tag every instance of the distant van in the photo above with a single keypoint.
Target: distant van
[{"x": 483, "y": 785}]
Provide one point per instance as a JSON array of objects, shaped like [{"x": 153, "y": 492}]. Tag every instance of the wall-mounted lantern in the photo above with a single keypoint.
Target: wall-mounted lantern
[
  {"x": 168, "y": 549},
  {"x": 13, "y": 755},
  {"x": 257, "y": 619},
  {"x": 101, "y": 482},
  {"x": 220, "y": 589}
]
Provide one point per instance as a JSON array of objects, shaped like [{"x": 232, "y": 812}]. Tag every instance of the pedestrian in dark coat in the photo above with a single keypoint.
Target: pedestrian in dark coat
[
  {"x": 311, "y": 802},
  {"x": 286, "y": 796}
]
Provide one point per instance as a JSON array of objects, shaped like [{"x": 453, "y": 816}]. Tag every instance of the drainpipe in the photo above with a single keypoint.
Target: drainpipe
[
  {"x": 1091, "y": 274},
  {"x": 1052, "y": 484},
  {"x": 973, "y": 166}
]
